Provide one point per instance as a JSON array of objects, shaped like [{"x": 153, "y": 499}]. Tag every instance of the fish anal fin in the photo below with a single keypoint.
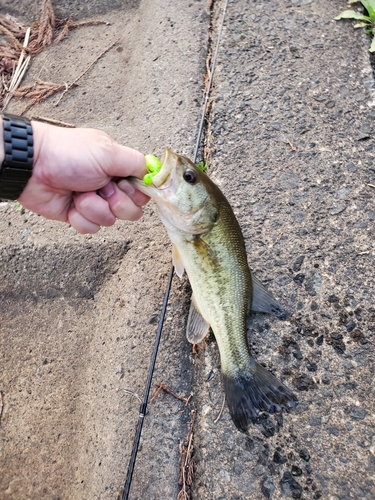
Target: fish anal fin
[
  {"x": 263, "y": 301},
  {"x": 177, "y": 262},
  {"x": 255, "y": 390},
  {"x": 197, "y": 327}
]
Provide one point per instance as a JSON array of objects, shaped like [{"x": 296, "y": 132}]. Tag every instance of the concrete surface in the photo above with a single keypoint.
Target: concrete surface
[
  {"x": 291, "y": 144},
  {"x": 79, "y": 313}
]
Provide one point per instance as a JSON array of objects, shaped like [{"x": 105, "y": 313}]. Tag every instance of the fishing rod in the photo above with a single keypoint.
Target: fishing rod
[{"x": 143, "y": 407}]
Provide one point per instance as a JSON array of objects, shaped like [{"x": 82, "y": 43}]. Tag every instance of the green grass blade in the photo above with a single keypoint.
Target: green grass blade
[
  {"x": 369, "y": 5},
  {"x": 372, "y": 48},
  {"x": 351, "y": 14},
  {"x": 201, "y": 165}
]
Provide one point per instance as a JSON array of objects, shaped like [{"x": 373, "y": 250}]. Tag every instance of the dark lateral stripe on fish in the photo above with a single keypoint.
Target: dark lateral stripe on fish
[{"x": 248, "y": 393}]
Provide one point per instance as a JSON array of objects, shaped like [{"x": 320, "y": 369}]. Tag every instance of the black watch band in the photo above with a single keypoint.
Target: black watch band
[{"x": 17, "y": 166}]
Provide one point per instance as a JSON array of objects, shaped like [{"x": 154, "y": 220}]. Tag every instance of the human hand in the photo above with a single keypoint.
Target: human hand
[{"x": 74, "y": 178}]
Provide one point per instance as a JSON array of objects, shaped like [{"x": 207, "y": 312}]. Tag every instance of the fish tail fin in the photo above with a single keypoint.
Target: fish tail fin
[{"x": 253, "y": 390}]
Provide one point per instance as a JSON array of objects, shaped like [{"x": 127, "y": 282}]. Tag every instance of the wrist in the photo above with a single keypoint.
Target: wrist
[{"x": 17, "y": 155}]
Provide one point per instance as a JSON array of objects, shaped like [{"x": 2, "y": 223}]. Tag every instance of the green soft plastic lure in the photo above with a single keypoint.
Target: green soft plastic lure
[{"x": 153, "y": 165}]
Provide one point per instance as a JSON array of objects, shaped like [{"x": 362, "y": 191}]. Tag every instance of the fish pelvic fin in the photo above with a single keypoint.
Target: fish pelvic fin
[
  {"x": 264, "y": 302},
  {"x": 251, "y": 391},
  {"x": 177, "y": 262},
  {"x": 197, "y": 327}
]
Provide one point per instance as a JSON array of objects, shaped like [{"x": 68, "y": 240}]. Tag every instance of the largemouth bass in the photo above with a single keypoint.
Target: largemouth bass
[{"x": 208, "y": 243}]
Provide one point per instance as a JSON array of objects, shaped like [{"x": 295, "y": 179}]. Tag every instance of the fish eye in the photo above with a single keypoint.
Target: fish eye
[{"x": 190, "y": 176}]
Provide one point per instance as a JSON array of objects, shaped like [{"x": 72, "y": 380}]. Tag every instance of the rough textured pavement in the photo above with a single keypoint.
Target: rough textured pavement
[{"x": 291, "y": 144}]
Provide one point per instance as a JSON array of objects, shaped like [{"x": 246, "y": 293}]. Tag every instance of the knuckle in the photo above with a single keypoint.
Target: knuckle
[
  {"x": 125, "y": 211},
  {"x": 85, "y": 204},
  {"x": 104, "y": 140},
  {"x": 135, "y": 215},
  {"x": 109, "y": 220}
]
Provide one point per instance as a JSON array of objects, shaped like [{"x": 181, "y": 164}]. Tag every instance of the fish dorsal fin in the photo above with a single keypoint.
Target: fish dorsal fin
[
  {"x": 177, "y": 262},
  {"x": 263, "y": 301},
  {"x": 197, "y": 327}
]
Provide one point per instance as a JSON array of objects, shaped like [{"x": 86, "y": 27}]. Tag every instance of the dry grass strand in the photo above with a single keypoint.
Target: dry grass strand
[
  {"x": 15, "y": 42},
  {"x": 47, "y": 24},
  {"x": 12, "y": 50},
  {"x": 65, "y": 30},
  {"x": 37, "y": 92},
  {"x": 187, "y": 463},
  {"x": 1, "y": 405}
]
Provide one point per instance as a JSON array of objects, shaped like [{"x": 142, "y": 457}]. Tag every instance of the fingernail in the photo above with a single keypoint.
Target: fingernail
[
  {"x": 107, "y": 190},
  {"x": 126, "y": 187}
]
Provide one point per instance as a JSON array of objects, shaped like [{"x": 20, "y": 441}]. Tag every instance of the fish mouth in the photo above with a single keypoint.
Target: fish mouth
[
  {"x": 159, "y": 181},
  {"x": 168, "y": 162}
]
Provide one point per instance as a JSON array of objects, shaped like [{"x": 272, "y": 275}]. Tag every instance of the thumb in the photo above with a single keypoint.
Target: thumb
[{"x": 123, "y": 162}]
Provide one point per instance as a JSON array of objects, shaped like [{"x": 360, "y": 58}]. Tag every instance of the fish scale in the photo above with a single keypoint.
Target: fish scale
[{"x": 231, "y": 291}]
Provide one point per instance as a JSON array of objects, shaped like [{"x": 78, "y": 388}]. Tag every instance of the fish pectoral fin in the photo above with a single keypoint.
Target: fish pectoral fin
[
  {"x": 204, "y": 248},
  {"x": 197, "y": 327},
  {"x": 177, "y": 262},
  {"x": 263, "y": 301}
]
